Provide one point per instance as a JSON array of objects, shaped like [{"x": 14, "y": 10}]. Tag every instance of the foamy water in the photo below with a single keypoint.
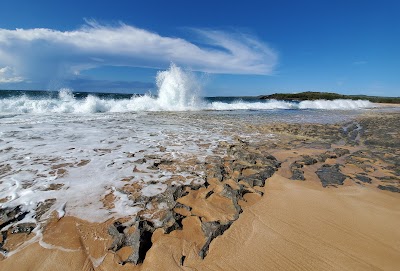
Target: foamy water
[{"x": 77, "y": 161}]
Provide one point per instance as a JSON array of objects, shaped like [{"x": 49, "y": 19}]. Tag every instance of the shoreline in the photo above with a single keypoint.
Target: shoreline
[{"x": 289, "y": 223}]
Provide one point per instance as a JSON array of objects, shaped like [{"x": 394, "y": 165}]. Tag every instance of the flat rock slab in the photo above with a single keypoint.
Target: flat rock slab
[{"x": 330, "y": 175}]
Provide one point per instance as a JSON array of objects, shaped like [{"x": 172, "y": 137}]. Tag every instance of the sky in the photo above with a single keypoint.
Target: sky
[{"x": 236, "y": 48}]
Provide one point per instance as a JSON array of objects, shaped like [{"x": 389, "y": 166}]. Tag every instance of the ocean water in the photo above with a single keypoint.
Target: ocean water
[
  {"x": 178, "y": 90},
  {"x": 75, "y": 148}
]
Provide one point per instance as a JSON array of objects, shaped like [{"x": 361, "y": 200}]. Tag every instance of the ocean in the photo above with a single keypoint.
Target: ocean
[{"x": 74, "y": 149}]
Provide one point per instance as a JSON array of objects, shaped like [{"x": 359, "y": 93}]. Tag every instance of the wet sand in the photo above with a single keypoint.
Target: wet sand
[{"x": 330, "y": 201}]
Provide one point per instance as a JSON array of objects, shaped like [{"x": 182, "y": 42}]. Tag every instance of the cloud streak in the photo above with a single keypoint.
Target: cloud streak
[
  {"x": 7, "y": 75},
  {"x": 38, "y": 54}
]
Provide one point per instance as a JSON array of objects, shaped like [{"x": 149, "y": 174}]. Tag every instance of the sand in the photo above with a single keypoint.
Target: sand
[{"x": 298, "y": 227}]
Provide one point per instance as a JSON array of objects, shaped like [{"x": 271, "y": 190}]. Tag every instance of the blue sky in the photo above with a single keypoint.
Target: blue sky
[{"x": 237, "y": 48}]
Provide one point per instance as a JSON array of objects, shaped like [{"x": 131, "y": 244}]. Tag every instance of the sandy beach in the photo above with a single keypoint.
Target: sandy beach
[{"x": 309, "y": 197}]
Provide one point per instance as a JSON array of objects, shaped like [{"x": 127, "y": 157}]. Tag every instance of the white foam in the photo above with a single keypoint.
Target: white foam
[
  {"x": 240, "y": 105},
  {"x": 61, "y": 142},
  {"x": 335, "y": 104}
]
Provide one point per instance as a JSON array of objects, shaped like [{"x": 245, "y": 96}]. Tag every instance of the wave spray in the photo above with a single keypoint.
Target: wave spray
[{"x": 178, "y": 90}]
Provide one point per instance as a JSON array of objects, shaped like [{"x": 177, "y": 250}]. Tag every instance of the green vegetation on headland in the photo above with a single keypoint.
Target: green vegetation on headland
[{"x": 309, "y": 95}]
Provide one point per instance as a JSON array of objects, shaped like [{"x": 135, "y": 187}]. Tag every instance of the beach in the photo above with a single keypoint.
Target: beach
[{"x": 252, "y": 193}]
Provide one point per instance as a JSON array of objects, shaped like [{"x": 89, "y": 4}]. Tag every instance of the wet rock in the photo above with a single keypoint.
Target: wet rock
[
  {"x": 11, "y": 214},
  {"x": 140, "y": 161},
  {"x": 179, "y": 192},
  {"x": 23, "y": 228},
  {"x": 43, "y": 207},
  {"x": 5, "y": 169},
  {"x": 330, "y": 175},
  {"x": 214, "y": 167},
  {"x": 390, "y": 188},
  {"x": 83, "y": 163},
  {"x": 3, "y": 238}
]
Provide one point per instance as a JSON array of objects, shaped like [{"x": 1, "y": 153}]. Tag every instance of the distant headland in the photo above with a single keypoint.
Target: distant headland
[{"x": 310, "y": 95}]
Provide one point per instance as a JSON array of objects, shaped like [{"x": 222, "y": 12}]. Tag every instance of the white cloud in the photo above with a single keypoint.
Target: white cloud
[
  {"x": 42, "y": 53},
  {"x": 7, "y": 75}
]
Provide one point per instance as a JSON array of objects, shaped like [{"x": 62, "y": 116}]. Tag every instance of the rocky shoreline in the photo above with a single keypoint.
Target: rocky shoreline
[{"x": 362, "y": 153}]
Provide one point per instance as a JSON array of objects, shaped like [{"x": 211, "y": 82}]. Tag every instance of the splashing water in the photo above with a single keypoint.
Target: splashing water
[{"x": 178, "y": 90}]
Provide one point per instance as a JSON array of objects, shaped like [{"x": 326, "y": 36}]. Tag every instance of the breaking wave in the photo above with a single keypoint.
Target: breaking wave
[{"x": 178, "y": 90}]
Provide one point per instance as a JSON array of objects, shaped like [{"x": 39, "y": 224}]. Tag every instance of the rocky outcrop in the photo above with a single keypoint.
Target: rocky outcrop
[
  {"x": 330, "y": 175},
  {"x": 390, "y": 188},
  {"x": 216, "y": 202}
]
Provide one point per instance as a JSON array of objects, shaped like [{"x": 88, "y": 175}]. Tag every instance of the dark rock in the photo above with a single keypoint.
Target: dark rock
[
  {"x": 43, "y": 207},
  {"x": 390, "y": 188},
  {"x": 180, "y": 205},
  {"x": 214, "y": 167},
  {"x": 295, "y": 165},
  {"x": 330, "y": 175},
  {"x": 323, "y": 156},
  {"x": 363, "y": 178},
  {"x": 297, "y": 174},
  {"x": 177, "y": 225},
  {"x": 116, "y": 231},
  {"x": 179, "y": 192},
  {"x": 3, "y": 239},
  {"x": 308, "y": 160},
  {"x": 232, "y": 194},
  {"x": 258, "y": 179},
  {"x": 145, "y": 242},
  {"x": 212, "y": 230},
  {"x": 340, "y": 152},
  {"x": 9, "y": 215},
  {"x": 139, "y": 240},
  {"x": 23, "y": 228},
  {"x": 133, "y": 240}
]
